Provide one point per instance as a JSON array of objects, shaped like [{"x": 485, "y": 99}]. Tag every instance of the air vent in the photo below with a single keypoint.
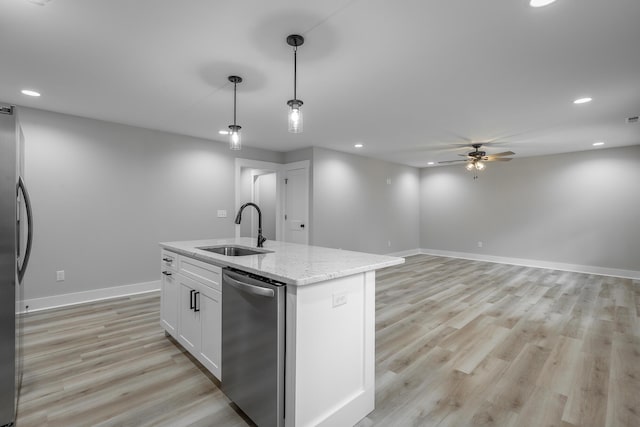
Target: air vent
[
  {"x": 633, "y": 119},
  {"x": 6, "y": 110}
]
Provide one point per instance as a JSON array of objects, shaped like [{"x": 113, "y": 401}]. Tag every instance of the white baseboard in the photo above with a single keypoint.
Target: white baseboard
[
  {"x": 409, "y": 252},
  {"x": 55, "y": 301},
  {"x": 576, "y": 268}
]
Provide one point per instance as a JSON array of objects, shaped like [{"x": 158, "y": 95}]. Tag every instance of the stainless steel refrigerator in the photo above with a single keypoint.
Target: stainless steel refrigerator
[{"x": 15, "y": 248}]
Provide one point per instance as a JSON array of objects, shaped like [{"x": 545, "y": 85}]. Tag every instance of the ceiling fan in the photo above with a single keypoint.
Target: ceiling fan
[{"x": 476, "y": 158}]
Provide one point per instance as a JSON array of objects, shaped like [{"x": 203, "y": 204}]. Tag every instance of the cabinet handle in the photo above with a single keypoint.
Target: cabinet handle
[
  {"x": 191, "y": 300},
  {"x": 196, "y": 302},
  {"x": 166, "y": 273},
  {"x": 169, "y": 260}
]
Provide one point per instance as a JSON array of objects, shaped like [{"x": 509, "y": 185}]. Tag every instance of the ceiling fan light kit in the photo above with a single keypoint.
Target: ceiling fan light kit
[{"x": 475, "y": 160}]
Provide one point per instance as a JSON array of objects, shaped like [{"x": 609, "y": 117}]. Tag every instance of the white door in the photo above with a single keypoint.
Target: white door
[
  {"x": 169, "y": 300},
  {"x": 189, "y": 318},
  {"x": 296, "y": 206}
]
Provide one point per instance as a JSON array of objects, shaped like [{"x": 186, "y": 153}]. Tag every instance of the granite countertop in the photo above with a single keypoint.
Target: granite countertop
[{"x": 289, "y": 263}]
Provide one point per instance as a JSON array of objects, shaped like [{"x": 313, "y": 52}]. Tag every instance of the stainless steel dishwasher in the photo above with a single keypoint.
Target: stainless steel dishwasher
[{"x": 253, "y": 345}]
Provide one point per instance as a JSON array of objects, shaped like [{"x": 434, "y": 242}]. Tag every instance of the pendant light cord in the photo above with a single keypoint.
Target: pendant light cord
[
  {"x": 295, "y": 71},
  {"x": 234, "y": 103}
]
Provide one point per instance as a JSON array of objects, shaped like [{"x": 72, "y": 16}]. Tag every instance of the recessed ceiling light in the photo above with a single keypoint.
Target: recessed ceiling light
[
  {"x": 223, "y": 132},
  {"x": 358, "y": 145},
  {"x": 583, "y": 100},
  {"x": 540, "y": 3},
  {"x": 30, "y": 92},
  {"x": 431, "y": 163},
  {"x": 597, "y": 144}
]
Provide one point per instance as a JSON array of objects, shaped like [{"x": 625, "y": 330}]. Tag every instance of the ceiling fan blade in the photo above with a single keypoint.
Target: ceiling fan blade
[
  {"x": 498, "y": 159},
  {"x": 463, "y": 155},
  {"x": 505, "y": 153},
  {"x": 451, "y": 161}
]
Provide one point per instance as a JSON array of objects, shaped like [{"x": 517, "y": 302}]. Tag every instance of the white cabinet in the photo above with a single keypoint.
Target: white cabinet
[
  {"x": 190, "y": 329},
  {"x": 169, "y": 293},
  {"x": 197, "y": 299}
]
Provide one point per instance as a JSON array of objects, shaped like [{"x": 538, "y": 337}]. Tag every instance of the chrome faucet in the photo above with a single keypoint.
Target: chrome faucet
[{"x": 261, "y": 238}]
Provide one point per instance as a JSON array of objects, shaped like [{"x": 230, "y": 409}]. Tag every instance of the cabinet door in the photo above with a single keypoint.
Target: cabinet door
[
  {"x": 189, "y": 325},
  {"x": 169, "y": 303},
  {"x": 211, "y": 339}
]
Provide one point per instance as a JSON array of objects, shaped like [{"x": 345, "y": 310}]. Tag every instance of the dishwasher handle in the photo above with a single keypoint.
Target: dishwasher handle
[{"x": 250, "y": 289}]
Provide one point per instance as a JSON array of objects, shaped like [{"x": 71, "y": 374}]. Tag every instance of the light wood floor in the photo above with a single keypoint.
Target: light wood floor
[{"x": 458, "y": 343}]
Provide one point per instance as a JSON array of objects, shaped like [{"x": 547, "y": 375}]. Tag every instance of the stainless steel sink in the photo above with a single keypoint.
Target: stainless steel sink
[{"x": 233, "y": 250}]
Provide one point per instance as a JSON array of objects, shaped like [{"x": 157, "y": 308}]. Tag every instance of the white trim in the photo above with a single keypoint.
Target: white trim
[
  {"x": 302, "y": 164},
  {"x": 408, "y": 252},
  {"x": 576, "y": 268},
  {"x": 55, "y": 301}
]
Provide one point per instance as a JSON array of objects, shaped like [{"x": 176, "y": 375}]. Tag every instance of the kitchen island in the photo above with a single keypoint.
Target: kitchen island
[{"x": 329, "y": 327}]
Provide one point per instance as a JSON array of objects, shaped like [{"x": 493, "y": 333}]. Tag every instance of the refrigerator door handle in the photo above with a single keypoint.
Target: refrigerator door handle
[{"x": 27, "y": 204}]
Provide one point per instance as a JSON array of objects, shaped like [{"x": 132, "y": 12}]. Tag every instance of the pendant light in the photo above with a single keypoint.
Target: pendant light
[
  {"x": 295, "y": 112},
  {"x": 234, "y": 129}
]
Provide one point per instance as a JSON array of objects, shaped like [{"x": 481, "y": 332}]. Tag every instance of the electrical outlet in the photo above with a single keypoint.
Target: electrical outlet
[
  {"x": 388, "y": 181},
  {"x": 389, "y": 243},
  {"x": 60, "y": 276},
  {"x": 480, "y": 244},
  {"x": 222, "y": 213},
  {"x": 339, "y": 299}
]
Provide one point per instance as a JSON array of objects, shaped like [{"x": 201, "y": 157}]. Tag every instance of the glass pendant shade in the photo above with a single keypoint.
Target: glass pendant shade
[
  {"x": 235, "y": 141},
  {"x": 295, "y": 116},
  {"x": 475, "y": 165}
]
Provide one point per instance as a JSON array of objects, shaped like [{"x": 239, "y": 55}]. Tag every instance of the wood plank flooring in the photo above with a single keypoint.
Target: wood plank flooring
[{"x": 458, "y": 343}]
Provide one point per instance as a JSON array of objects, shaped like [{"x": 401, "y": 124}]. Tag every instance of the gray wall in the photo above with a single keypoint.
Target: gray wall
[
  {"x": 354, "y": 207},
  {"x": 105, "y": 194},
  {"x": 581, "y": 208},
  {"x": 299, "y": 155}
]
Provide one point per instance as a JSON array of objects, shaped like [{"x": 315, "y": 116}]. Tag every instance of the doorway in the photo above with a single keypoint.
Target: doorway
[
  {"x": 258, "y": 182},
  {"x": 281, "y": 191}
]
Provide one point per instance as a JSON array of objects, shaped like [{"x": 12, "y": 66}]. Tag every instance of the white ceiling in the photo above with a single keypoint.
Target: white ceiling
[{"x": 413, "y": 80}]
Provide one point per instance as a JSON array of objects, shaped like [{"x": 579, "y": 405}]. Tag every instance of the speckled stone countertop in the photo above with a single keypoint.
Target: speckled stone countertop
[{"x": 289, "y": 263}]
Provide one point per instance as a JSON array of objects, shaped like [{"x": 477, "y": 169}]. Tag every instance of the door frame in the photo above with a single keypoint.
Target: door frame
[{"x": 303, "y": 164}]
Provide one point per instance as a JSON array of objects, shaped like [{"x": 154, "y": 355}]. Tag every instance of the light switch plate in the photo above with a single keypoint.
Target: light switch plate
[{"x": 222, "y": 213}]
